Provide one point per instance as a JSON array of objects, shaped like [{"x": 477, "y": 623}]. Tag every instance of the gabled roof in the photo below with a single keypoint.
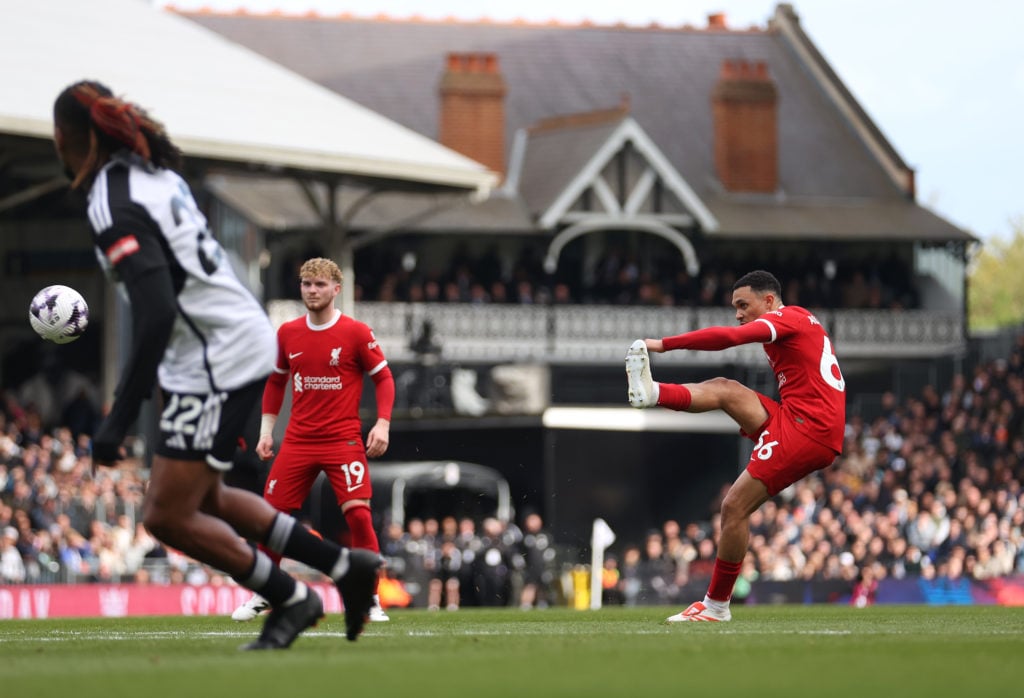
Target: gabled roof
[
  {"x": 562, "y": 162},
  {"x": 829, "y": 150},
  {"x": 549, "y": 160},
  {"x": 220, "y": 100}
]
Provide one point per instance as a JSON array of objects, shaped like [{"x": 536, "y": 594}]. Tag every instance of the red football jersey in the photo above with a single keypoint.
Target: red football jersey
[
  {"x": 811, "y": 386},
  {"x": 326, "y": 364}
]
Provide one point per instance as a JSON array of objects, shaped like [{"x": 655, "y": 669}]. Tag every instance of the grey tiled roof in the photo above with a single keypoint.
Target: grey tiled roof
[
  {"x": 394, "y": 67},
  {"x": 553, "y": 158},
  {"x": 860, "y": 219}
]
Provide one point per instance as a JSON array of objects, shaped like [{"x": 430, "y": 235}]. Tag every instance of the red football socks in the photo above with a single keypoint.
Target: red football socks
[
  {"x": 673, "y": 396},
  {"x": 723, "y": 579},
  {"x": 360, "y": 523}
]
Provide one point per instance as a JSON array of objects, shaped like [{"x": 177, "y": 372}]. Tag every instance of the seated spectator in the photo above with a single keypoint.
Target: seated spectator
[{"x": 12, "y": 566}]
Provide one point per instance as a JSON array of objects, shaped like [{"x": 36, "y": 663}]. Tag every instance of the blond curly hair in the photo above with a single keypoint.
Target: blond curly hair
[{"x": 319, "y": 267}]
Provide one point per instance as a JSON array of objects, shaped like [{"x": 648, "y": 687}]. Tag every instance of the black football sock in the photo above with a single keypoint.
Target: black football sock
[
  {"x": 272, "y": 583},
  {"x": 289, "y": 538}
]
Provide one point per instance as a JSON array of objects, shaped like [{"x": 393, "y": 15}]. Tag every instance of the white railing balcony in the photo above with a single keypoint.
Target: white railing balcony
[{"x": 490, "y": 333}]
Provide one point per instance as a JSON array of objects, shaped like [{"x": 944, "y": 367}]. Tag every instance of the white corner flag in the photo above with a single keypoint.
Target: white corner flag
[{"x": 600, "y": 538}]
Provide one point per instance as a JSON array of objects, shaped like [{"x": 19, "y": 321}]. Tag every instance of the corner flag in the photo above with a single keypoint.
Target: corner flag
[{"x": 601, "y": 537}]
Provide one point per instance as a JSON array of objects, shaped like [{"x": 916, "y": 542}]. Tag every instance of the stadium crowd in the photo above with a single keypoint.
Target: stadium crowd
[
  {"x": 62, "y": 522},
  {"x": 619, "y": 278},
  {"x": 930, "y": 486}
]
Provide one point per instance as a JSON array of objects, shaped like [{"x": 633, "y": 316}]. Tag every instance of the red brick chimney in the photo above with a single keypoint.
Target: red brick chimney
[
  {"x": 743, "y": 104},
  {"x": 473, "y": 108},
  {"x": 716, "y": 20}
]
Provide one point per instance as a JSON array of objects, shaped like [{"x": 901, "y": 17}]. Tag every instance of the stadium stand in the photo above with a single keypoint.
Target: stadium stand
[{"x": 928, "y": 488}]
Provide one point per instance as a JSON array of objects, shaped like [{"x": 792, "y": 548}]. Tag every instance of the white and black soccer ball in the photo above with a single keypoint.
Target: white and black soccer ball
[{"x": 59, "y": 314}]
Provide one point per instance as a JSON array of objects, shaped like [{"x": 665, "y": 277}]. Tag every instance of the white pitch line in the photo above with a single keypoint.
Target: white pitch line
[
  {"x": 72, "y": 636},
  {"x": 531, "y": 631},
  {"x": 550, "y": 630}
]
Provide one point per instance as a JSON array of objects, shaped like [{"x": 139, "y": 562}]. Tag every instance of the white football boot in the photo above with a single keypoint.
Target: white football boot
[
  {"x": 250, "y": 609},
  {"x": 377, "y": 614},
  {"x": 642, "y": 391},
  {"x": 701, "y": 613}
]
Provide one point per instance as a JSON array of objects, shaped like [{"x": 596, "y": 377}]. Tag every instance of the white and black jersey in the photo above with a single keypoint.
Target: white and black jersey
[{"x": 153, "y": 240}]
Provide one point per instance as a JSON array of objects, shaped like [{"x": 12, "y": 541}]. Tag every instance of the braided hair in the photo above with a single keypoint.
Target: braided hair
[{"x": 95, "y": 121}]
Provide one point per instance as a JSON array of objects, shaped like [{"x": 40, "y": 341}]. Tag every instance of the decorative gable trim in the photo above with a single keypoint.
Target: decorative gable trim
[{"x": 590, "y": 178}]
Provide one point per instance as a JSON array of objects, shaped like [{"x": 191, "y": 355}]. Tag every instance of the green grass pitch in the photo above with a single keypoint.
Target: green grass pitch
[{"x": 829, "y": 651}]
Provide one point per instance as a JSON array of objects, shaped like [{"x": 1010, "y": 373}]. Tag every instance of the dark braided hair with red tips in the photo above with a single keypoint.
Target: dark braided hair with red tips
[{"x": 93, "y": 119}]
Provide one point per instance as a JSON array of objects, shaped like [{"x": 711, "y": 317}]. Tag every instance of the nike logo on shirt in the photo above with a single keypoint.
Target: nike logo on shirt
[{"x": 292, "y": 356}]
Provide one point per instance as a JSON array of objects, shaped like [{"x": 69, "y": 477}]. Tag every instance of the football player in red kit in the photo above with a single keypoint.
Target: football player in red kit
[
  {"x": 323, "y": 355},
  {"x": 793, "y": 437}
]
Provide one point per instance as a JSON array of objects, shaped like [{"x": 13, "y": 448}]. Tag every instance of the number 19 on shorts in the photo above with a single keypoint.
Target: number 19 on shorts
[{"x": 355, "y": 473}]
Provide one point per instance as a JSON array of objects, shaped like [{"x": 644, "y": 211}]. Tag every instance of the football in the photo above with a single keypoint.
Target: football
[{"x": 59, "y": 314}]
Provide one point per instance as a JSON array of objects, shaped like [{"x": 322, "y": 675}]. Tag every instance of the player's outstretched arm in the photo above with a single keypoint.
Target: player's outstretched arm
[{"x": 718, "y": 338}]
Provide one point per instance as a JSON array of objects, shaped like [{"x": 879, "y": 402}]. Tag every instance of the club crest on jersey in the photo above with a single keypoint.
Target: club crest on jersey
[{"x": 335, "y": 356}]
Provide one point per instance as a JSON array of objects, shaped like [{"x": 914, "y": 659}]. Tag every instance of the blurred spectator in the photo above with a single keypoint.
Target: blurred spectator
[
  {"x": 657, "y": 573},
  {"x": 538, "y": 556},
  {"x": 630, "y": 582},
  {"x": 492, "y": 565},
  {"x": 865, "y": 589},
  {"x": 611, "y": 592},
  {"x": 444, "y": 583},
  {"x": 12, "y": 567}
]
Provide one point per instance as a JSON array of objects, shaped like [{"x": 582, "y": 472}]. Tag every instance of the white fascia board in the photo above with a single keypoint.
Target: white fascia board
[
  {"x": 631, "y": 419},
  {"x": 629, "y": 129}
]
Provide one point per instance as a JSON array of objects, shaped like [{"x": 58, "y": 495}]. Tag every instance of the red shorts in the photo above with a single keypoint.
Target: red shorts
[
  {"x": 783, "y": 453},
  {"x": 295, "y": 470}
]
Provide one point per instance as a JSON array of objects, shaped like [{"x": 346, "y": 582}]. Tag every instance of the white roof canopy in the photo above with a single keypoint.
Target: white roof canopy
[{"x": 217, "y": 99}]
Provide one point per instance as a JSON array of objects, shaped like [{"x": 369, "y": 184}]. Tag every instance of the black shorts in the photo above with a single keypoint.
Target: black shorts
[{"x": 207, "y": 426}]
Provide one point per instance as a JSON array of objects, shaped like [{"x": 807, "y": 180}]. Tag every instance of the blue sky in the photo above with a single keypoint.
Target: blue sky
[{"x": 943, "y": 80}]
